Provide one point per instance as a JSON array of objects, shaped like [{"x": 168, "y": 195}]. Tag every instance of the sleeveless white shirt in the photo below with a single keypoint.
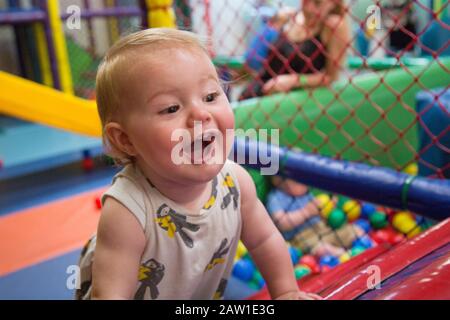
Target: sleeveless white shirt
[{"x": 187, "y": 256}]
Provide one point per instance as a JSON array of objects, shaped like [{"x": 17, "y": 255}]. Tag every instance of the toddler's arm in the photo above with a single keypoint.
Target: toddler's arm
[
  {"x": 288, "y": 221},
  {"x": 120, "y": 244},
  {"x": 265, "y": 244}
]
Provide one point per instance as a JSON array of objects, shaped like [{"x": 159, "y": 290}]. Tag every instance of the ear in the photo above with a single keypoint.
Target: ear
[{"x": 119, "y": 138}]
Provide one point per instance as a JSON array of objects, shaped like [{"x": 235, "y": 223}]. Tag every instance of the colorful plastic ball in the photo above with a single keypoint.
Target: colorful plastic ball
[
  {"x": 423, "y": 222},
  {"x": 367, "y": 209},
  {"x": 108, "y": 160},
  {"x": 301, "y": 270},
  {"x": 311, "y": 262},
  {"x": 257, "y": 278},
  {"x": 400, "y": 218},
  {"x": 295, "y": 255},
  {"x": 325, "y": 204},
  {"x": 98, "y": 203},
  {"x": 255, "y": 285},
  {"x": 243, "y": 270},
  {"x": 406, "y": 224},
  {"x": 88, "y": 164},
  {"x": 341, "y": 201},
  {"x": 363, "y": 241},
  {"x": 363, "y": 224},
  {"x": 386, "y": 235},
  {"x": 356, "y": 250},
  {"x": 336, "y": 219},
  {"x": 396, "y": 238},
  {"x": 241, "y": 250},
  {"x": 329, "y": 260},
  {"x": 380, "y": 236},
  {"x": 411, "y": 169},
  {"x": 352, "y": 209},
  {"x": 378, "y": 220},
  {"x": 344, "y": 257}
]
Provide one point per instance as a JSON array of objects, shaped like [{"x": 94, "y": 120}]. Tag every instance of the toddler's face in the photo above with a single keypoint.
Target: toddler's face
[
  {"x": 177, "y": 90},
  {"x": 318, "y": 9}
]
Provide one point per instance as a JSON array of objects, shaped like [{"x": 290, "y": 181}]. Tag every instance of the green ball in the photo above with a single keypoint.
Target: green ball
[
  {"x": 301, "y": 271},
  {"x": 254, "y": 285},
  {"x": 257, "y": 276},
  {"x": 356, "y": 250},
  {"x": 336, "y": 219},
  {"x": 247, "y": 256},
  {"x": 341, "y": 201},
  {"x": 108, "y": 160},
  {"x": 378, "y": 220},
  {"x": 299, "y": 252}
]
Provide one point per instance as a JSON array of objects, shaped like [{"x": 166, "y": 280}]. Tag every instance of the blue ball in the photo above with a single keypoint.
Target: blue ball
[
  {"x": 367, "y": 209},
  {"x": 363, "y": 224},
  {"x": 261, "y": 283},
  {"x": 363, "y": 241},
  {"x": 329, "y": 260},
  {"x": 243, "y": 270},
  {"x": 294, "y": 255}
]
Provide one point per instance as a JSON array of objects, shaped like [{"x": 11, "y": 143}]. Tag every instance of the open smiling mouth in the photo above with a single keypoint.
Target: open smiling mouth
[{"x": 202, "y": 149}]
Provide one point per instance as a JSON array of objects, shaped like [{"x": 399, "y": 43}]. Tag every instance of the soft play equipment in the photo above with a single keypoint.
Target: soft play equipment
[
  {"x": 425, "y": 196},
  {"x": 27, "y": 100},
  {"x": 385, "y": 63},
  {"x": 435, "y": 38},
  {"x": 362, "y": 101},
  {"x": 434, "y": 115},
  {"x": 404, "y": 268},
  {"x": 30, "y": 101},
  {"x": 425, "y": 255}
]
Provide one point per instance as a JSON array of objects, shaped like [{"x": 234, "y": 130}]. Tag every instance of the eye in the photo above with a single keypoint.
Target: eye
[
  {"x": 210, "y": 97},
  {"x": 171, "y": 109}
]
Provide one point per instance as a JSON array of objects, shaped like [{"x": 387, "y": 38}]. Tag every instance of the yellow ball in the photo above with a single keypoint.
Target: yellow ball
[
  {"x": 403, "y": 222},
  {"x": 412, "y": 169},
  {"x": 241, "y": 250},
  {"x": 344, "y": 257},
  {"x": 352, "y": 209},
  {"x": 414, "y": 232},
  {"x": 401, "y": 218},
  {"x": 325, "y": 204}
]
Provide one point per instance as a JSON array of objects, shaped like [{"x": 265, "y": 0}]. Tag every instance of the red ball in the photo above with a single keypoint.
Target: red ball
[
  {"x": 311, "y": 262},
  {"x": 98, "y": 203},
  {"x": 386, "y": 235},
  {"x": 88, "y": 164},
  {"x": 390, "y": 211},
  {"x": 380, "y": 236},
  {"x": 397, "y": 239}
]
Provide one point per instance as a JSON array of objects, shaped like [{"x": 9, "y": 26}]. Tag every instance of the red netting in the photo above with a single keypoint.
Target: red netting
[
  {"x": 353, "y": 80},
  {"x": 338, "y": 45}
]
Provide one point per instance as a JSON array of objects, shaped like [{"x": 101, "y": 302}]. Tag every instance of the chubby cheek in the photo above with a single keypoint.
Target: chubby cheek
[
  {"x": 153, "y": 144},
  {"x": 226, "y": 126},
  {"x": 225, "y": 119},
  {"x": 164, "y": 145}
]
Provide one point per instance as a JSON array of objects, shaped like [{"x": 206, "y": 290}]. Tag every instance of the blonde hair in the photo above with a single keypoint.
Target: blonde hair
[{"x": 113, "y": 69}]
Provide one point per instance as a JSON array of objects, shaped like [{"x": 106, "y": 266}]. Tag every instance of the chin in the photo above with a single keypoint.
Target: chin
[{"x": 204, "y": 172}]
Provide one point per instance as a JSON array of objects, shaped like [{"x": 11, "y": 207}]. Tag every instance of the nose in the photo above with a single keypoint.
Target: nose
[{"x": 198, "y": 113}]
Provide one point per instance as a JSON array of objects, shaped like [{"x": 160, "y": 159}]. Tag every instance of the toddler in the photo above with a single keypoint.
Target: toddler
[
  {"x": 171, "y": 221},
  {"x": 296, "y": 213}
]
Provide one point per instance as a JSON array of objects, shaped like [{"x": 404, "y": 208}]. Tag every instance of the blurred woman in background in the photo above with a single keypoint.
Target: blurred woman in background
[{"x": 309, "y": 51}]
